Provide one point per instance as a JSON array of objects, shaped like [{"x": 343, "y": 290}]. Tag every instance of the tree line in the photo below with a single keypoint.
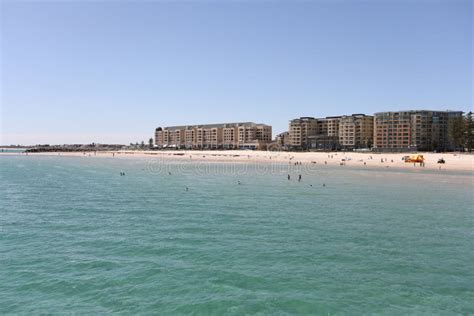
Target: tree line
[
  {"x": 142, "y": 145},
  {"x": 461, "y": 131}
]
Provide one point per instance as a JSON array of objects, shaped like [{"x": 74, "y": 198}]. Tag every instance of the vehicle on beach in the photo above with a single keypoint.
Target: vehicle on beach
[{"x": 414, "y": 159}]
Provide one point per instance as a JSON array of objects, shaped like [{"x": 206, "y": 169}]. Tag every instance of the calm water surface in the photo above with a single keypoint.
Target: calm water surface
[{"x": 76, "y": 237}]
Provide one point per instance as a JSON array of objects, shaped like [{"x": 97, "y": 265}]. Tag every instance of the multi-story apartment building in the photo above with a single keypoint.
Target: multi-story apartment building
[
  {"x": 263, "y": 132},
  {"x": 327, "y": 136},
  {"x": 413, "y": 130},
  {"x": 333, "y": 125},
  {"x": 314, "y": 133},
  {"x": 356, "y": 131},
  {"x": 322, "y": 127},
  {"x": 300, "y": 130},
  {"x": 283, "y": 139},
  {"x": 214, "y": 136},
  {"x": 207, "y": 136},
  {"x": 230, "y": 137}
]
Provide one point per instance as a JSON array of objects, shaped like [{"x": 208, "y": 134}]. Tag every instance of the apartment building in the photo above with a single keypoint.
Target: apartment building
[
  {"x": 327, "y": 136},
  {"x": 314, "y": 133},
  {"x": 333, "y": 125},
  {"x": 214, "y": 136},
  {"x": 230, "y": 137},
  {"x": 300, "y": 130},
  {"x": 413, "y": 130},
  {"x": 356, "y": 131},
  {"x": 283, "y": 139}
]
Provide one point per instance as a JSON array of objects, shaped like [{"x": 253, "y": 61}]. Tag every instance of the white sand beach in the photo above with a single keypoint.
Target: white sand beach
[{"x": 453, "y": 161}]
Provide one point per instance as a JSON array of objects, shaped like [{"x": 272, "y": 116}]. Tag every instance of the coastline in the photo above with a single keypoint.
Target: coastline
[{"x": 454, "y": 161}]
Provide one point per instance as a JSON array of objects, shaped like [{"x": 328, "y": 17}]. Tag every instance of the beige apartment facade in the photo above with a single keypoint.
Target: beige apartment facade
[
  {"x": 309, "y": 133},
  {"x": 421, "y": 130},
  {"x": 300, "y": 130},
  {"x": 327, "y": 136},
  {"x": 332, "y": 123},
  {"x": 356, "y": 131},
  {"x": 282, "y": 140},
  {"x": 243, "y": 135}
]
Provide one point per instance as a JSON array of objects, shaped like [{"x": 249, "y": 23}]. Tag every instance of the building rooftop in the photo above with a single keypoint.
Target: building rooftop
[
  {"x": 303, "y": 118},
  {"x": 236, "y": 124},
  {"x": 418, "y": 111},
  {"x": 359, "y": 114}
]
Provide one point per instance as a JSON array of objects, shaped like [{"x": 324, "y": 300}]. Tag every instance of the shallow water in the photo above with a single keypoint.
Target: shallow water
[{"x": 75, "y": 236}]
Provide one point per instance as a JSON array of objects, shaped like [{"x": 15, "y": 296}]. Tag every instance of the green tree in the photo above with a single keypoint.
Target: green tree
[
  {"x": 150, "y": 142},
  {"x": 469, "y": 131},
  {"x": 457, "y": 132}
]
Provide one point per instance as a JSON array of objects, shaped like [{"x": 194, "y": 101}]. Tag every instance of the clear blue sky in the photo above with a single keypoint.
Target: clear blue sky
[{"x": 111, "y": 71}]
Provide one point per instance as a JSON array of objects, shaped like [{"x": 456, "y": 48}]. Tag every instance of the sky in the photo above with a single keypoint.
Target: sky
[{"x": 113, "y": 71}]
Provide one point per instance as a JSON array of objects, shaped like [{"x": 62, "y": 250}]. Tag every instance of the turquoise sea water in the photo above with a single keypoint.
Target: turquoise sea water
[
  {"x": 76, "y": 237},
  {"x": 12, "y": 150}
]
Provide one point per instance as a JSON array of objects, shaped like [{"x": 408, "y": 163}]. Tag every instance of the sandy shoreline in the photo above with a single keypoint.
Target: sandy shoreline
[{"x": 454, "y": 161}]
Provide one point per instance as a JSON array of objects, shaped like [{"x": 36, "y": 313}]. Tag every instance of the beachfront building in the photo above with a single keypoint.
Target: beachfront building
[
  {"x": 327, "y": 134},
  {"x": 300, "y": 130},
  {"x": 413, "y": 130},
  {"x": 279, "y": 143},
  {"x": 282, "y": 140},
  {"x": 332, "y": 123},
  {"x": 356, "y": 131},
  {"x": 309, "y": 133},
  {"x": 323, "y": 142},
  {"x": 244, "y": 135}
]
